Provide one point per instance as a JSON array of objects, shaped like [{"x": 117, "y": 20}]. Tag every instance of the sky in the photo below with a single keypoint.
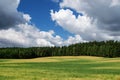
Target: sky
[
  {"x": 40, "y": 23},
  {"x": 40, "y": 13}
]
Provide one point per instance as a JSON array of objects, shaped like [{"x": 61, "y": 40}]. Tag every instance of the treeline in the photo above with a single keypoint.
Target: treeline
[{"x": 103, "y": 49}]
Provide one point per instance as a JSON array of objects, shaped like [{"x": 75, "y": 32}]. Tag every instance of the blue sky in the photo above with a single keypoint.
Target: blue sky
[{"x": 39, "y": 10}]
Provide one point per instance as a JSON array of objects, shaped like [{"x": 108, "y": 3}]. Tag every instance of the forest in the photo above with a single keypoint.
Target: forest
[{"x": 109, "y": 49}]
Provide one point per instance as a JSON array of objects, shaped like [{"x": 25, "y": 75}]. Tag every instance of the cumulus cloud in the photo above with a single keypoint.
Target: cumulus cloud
[
  {"x": 9, "y": 16},
  {"x": 25, "y": 35},
  {"x": 81, "y": 25},
  {"x": 106, "y": 12},
  {"x": 100, "y": 19},
  {"x": 73, "y": 40},
  {"x": 67, "y": 20},
  {"x": 27, "y": 17}
]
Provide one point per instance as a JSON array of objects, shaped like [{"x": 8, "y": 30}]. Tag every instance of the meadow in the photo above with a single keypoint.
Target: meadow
[{"x": 61, "y": 68}]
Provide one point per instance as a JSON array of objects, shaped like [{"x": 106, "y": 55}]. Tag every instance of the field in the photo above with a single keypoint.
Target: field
[{"x": 60, "y": 68}]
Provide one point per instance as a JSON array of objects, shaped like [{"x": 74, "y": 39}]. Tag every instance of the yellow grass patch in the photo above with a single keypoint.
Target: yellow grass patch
[
  {"x": 78, "y": 58},
  {"x": 62, "y": 58},
  {"x": 50, "y": 59},
  {"x": 112, "y": 60},
  {"x": 31, "y": 60},
  {"x": 106, "y": 68}
]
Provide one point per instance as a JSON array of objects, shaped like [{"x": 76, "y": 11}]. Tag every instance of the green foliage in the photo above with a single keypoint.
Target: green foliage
[{"x": 102, "y": 49}]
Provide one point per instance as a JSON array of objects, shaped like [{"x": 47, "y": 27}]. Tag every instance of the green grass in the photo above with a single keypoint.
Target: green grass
[{"x": 60, "y": 68}]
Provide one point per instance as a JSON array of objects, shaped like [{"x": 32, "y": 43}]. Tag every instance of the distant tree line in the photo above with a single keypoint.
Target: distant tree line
[{"x": 102, "y": 49}]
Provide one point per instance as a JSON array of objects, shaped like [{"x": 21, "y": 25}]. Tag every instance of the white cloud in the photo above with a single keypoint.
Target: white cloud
[
  {"x": 27, "y": 17},
  {"x": 67, "y": 20},
  {"x": 81, "y": 25},
  {"x": 26, "y": 35},
  {"x": 100, "y": 20},
  {"x": 71, "y": 4},
  {"x": 115, "y": 2},
  {"x": 43, "y": 42},
  {"x": 73, "y": 40},
  {"x": 107, "y": 17}
]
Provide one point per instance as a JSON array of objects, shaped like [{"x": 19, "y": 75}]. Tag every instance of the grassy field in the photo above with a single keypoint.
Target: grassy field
[{"x": 60, "y": 68}]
